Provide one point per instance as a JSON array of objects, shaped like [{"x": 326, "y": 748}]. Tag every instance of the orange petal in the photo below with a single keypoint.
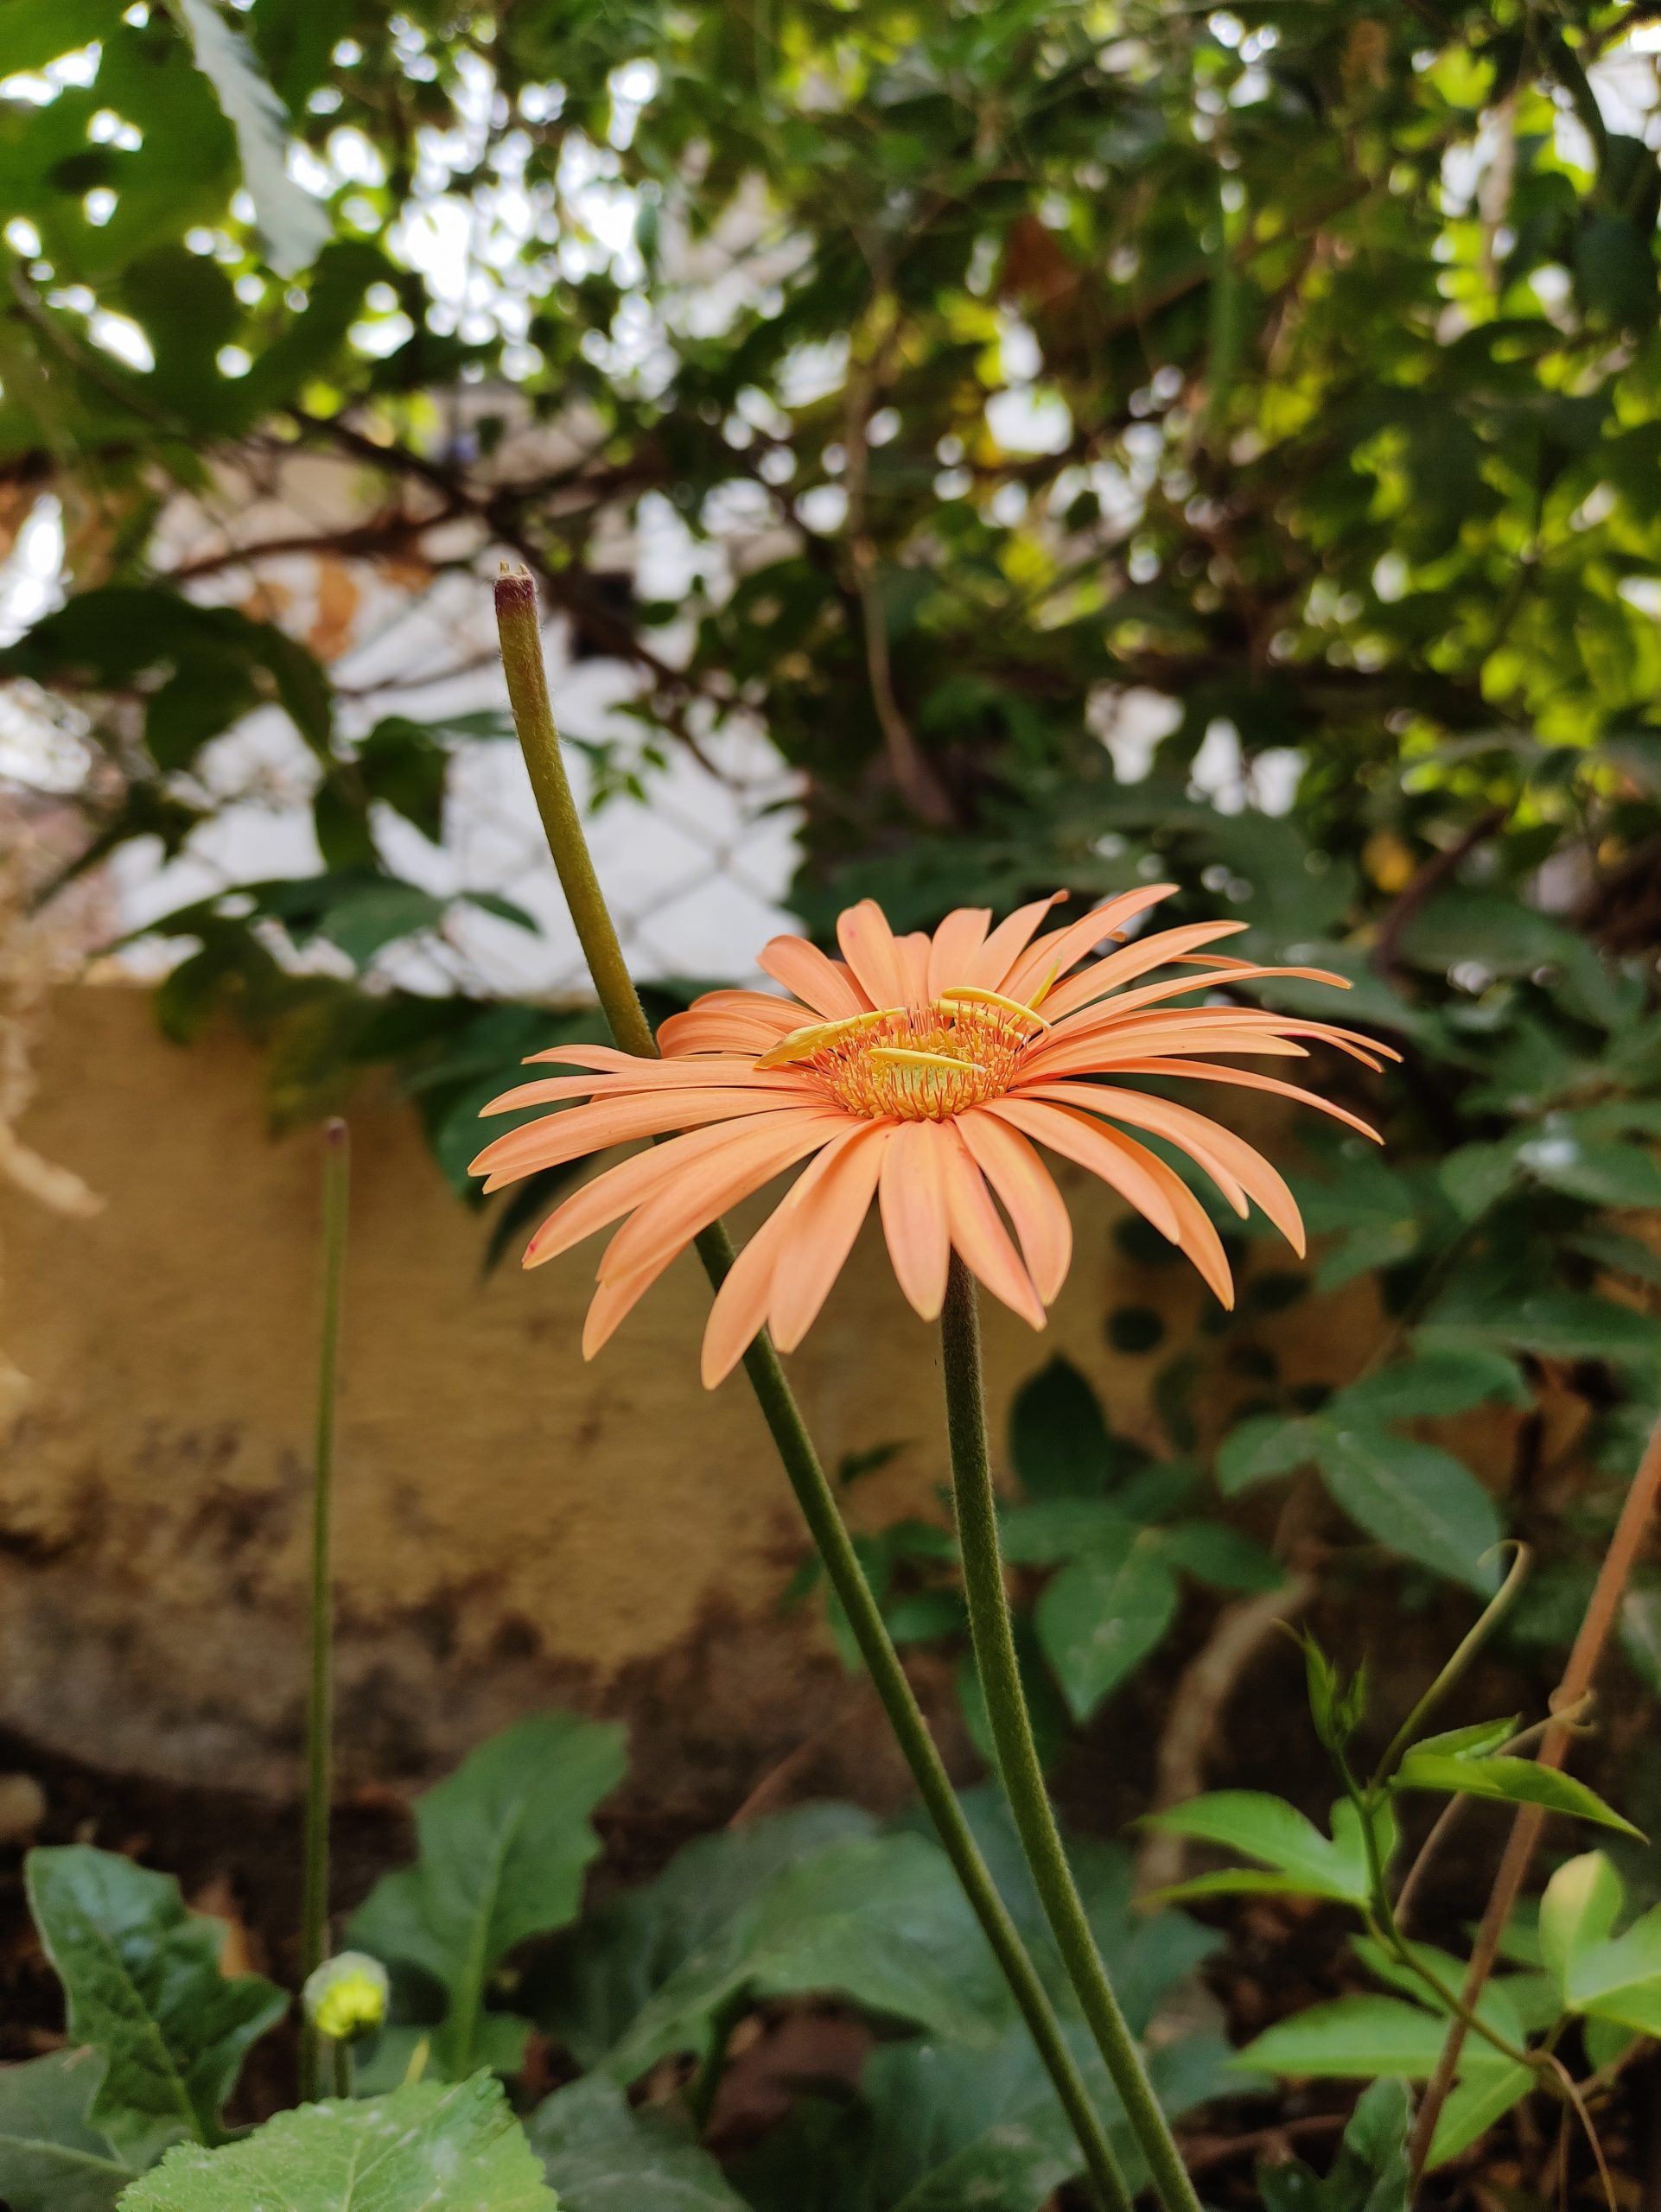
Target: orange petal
[
  {"x": 1124, "y": 1165},
  {"x": 1238, "y": 1170},
  {"x": 825, "y": 1219},
  {"x": 656, "y": 1077},
  {"x": 614, "y": 1300},
  {"x": 618, "y": 1190},
  {"x": 1060, "y": 950},
  {"x": 748, "y": 1033},
  {"x": 912, "y": 1194},
  {"x": 992, "y": 963},
  {"x": 1167, "y": 1034},
  {"x": 821, "y": 983},
  {"x": 914, "y": 950},
  {"x": 1138, "y": 959},
  {"x": 868, "y": 944},
  {"x": 980, "y": 1236},
  {"x": 956, "y": 941},
  {"x": 1028, "y": 1195},
  {"x": 580, "y": 1130},
  {"x": 1203, "y": 1072},
  {"x": 1155, "y": 994},
  {"x": 1199, "y": 1237},
  {"x": 676, "y": 1214},
  {"x": 740, "y": 1304}
]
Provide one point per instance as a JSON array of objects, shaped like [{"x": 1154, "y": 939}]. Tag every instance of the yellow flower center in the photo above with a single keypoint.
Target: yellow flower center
[{"x": 915, "y": 1064}]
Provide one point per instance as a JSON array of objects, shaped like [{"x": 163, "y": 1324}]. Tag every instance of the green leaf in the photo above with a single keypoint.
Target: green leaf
[
  {"x": 1058, "y": 1440},
  {"x": 1417, "y": 1500},
  {"x": 1060, "y": 1528},
  {"x": 1581, "y": 1905},
  {"x": 1267, "y": 1828},
  {"x": 1473, "y": 2105},
  {"x": 1371, "y": 2171},
  {"x": 428, "y": 2147},
  {"x": 1261, "y": 1446},
  {"x": 367, "y": 921},
  {"x": 1436, "y": 1380},
  {"x": 1352, "y": 2038},
  {"x": 1101, "y": 1615},
  {"x": 878, "y": 1920},
  {"x": 1620, "y": 1979},
  {"x": 1512, "y": 1781},
  {"x": 599, "y": 1975},
  {"x": 603, "y": 2156},
  {"x": 1603, "y": 1174},
  {"x": 52, "y": 2158},
  {"x": 144, "y": 1990},
  {"x": 294, "y": 224},
  {"x": 1212, "y": 1552},
  {"x": 505, "y": 1842},
  {"x": 1474, "y": 1741}
]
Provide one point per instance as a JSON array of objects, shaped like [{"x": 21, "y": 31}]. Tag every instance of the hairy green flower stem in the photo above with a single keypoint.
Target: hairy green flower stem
[
  {"x": 992, "y": 1632},
  {"x": 313, "y": 1904},
  {"x": 527, "y": 689}
]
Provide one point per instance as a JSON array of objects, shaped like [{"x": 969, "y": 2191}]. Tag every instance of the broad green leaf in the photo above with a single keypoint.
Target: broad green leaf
[
  {"x": 1352, "y": 2037},
  {"x": 1212, "y": 1552},
  {"x": 1486, "y": 2095},
  {"x": 1264, "y": 1445},
  {"x": 1476, "y": 1740},
  {"x": 1270, "y": 1830},
  {"x": 504, "y": 1844},
  {"x": 144, "y": 1987},
  {"x": 1620, "y": 1979},
  {"x": 368, "y": 920},
  {"x": 1416, "y": 1499},
  {"x": 1101, "y": 1615},
  {"x": 878, "y": 1920},
  {"x": 1607, "y": 2042},
  {"x": 429, "y": 2147},
  {"x": 1370, "y": 2173},
  {"x": 1059, "y": 1529},
  {"x": 294, "y": 224},
  {"x": 1581, "y": 1902},
  {"x": 1434, "y": 1380},
  {"x": 601, "y": 2155},
  {"x": 597, "y": 1976},
  {"x": 1059, "y": 1441},
  {"x": 52, "y": 2158},
  {"x": 1512, "y": 1781},
  {"x": 1603, "y": 1174}
]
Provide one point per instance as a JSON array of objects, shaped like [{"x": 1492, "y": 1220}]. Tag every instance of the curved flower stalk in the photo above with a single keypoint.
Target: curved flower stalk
[{"x": 921, "y": 1072}]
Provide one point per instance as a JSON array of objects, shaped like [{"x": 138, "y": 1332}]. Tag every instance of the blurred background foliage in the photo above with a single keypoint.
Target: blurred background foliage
[{"x": 1141, "y": 440}]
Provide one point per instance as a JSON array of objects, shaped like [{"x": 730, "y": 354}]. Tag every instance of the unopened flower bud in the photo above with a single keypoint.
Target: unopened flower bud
[{"x": 346, "y": 1997}]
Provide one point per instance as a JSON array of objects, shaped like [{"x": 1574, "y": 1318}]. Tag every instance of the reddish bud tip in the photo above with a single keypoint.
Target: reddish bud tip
[{"x": 515, "y": 594}]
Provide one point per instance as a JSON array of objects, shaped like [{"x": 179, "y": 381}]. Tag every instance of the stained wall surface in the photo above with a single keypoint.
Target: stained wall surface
[{"x": 514, "y": 1527}]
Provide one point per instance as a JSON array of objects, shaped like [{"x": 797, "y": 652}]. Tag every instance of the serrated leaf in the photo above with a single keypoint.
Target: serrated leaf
[
  {"x": 1417, "y": 1500},
  {"x": 143, "y": 1986},
  {"x": 52, "y": 2158},
  {"x": 1101, "y": 1614},
  {"x": 1511, "y": 1781},
  {"x": 1581, "y": 1905},
  {"x": 1473, "y": 2105},
  {"x": 429, "y": 2147},
  {"x": 601, "y": 2155},
  {"x": 294, "y": 225},
  {"x": 878, "y": 1920},
  {"x": 504, "y": 1844}
]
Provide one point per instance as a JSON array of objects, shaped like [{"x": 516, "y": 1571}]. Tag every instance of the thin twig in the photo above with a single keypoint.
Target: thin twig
[
  {"x": 1438, "y": 871},
  {"x": 1595, "y": 1630}
]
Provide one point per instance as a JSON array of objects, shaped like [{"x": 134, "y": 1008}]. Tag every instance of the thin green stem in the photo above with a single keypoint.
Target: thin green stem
[
  {"x": 516, "y": 614},
  {"x": 992, "y": 1633},
  {"x": 314, "y": 1906},
  {"x": 342, "y": 2056},
  {"x": 1492, "y": 1613}
]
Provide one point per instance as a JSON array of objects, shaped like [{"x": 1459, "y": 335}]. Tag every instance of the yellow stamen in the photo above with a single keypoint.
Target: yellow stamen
[
  {"x": 900, "y": 1056},
  {"x": 972, "y": 994},
  {"x": 1044, "y": 988},
  {"x": 823, "y": 1036}
]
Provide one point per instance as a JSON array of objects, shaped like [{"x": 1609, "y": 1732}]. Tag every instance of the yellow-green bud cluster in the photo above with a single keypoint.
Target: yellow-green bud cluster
[{"x": 346, "y": 1997}]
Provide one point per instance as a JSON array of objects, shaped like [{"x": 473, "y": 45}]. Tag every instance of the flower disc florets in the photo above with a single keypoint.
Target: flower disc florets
[{"x": 915, "y": 1064}]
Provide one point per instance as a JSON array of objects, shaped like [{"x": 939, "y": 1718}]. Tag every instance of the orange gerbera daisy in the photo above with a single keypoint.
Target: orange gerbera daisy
[{"x": 920, "y": 1072}]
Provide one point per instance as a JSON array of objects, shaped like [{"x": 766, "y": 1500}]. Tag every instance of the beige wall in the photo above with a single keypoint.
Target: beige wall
[{"x": 514, "y": 1527}]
